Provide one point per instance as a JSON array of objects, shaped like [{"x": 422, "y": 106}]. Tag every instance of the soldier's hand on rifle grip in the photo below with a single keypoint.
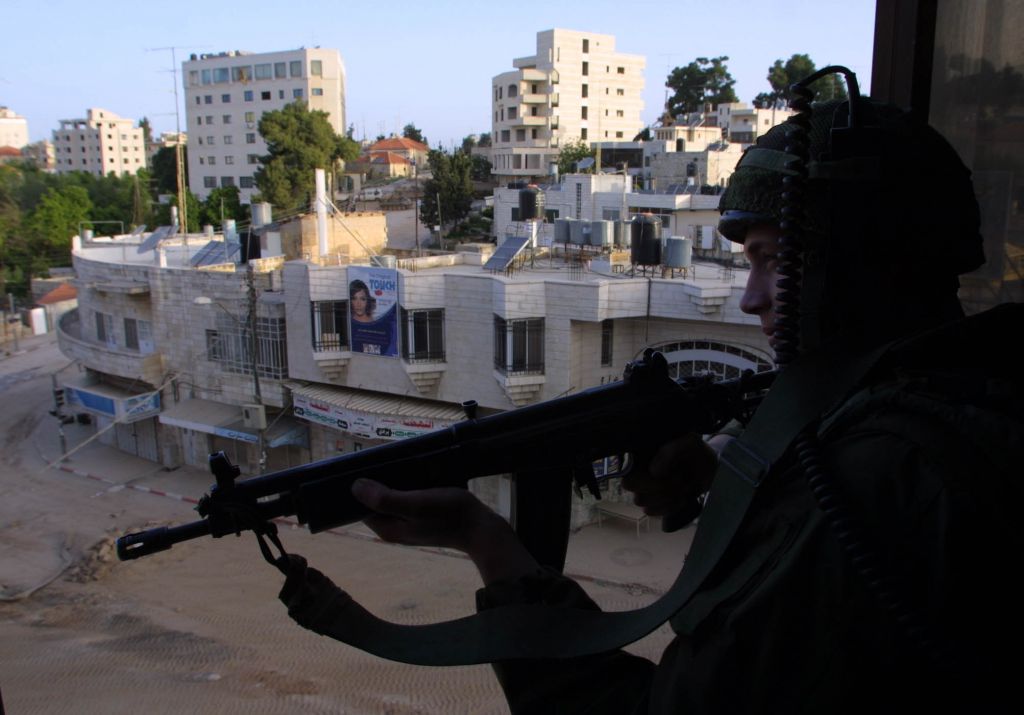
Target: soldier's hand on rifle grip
[
  {"x": 447, "y": 517},
  {"x": 677, "y": 473}
]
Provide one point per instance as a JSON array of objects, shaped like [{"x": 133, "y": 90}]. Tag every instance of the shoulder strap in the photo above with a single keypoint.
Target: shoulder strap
[{"x": 801, "y": 395}]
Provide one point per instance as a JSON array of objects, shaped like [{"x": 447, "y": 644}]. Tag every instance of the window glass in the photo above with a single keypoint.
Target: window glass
[
  {"x": 519, "y": 345},
  {"x": 316, "y": 68},
  {"x": 330, "y": 325},
  {"x": 279, "y": 70},
  {"x": 295, "y": 68},
  {"x": 264, "y": 71},
  {"x": 422, "y": 335}
]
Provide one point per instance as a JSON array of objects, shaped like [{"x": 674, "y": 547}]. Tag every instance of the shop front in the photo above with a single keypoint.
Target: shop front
[
  {"x": 207, "y": 426},
  {"x": 123, "y": 418}
]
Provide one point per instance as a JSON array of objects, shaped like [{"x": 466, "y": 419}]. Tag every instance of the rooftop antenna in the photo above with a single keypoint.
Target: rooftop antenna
[{"x": 179, "y": 148}]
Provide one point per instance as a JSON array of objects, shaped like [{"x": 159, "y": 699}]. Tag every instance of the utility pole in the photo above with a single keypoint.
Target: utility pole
[
  {"x": 14, "y": 320},
  {"x": 250, "y": 284},
  {"x": 440, "y": 222},
  {"x": 416, "y": 202}
]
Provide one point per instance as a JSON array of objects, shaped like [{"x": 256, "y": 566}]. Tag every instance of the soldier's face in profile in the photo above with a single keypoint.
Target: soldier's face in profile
[{"x": 761, "y": 246}]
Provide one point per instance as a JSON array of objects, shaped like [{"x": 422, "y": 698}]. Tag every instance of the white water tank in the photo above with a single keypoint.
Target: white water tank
[
  {"x": 678, "y": 252},
  {"x": 602, "y": 233},
  {"x": 562, "y": 230}
]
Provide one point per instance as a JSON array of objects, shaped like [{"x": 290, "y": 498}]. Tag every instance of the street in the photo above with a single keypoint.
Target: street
[{"x": 199, "y": 628}]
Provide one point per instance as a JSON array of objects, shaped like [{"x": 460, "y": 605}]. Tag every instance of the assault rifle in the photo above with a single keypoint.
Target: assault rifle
[{"x": 565, "y": 435}]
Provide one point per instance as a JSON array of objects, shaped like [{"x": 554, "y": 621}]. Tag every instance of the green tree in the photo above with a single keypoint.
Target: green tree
[
  {"x": 147, "y": 131},
  {"x": 223, "y": 203},
  {"x": 409, "y": 131},
  {"x": 484, "y": 140},
  {"x": 703, "y": 81},
  {"x": 572, "y": 153},
  {"x": 194, "y": 208},
  {"x": 10, "y": 223},
  {"x": 643, "y": 136},
  {"x": 468, "y": 142},
  {"x": 782, "y": 74},
  {"x": 164, "y": 170},
  {"x": 59, "y": 215},
  {"x": 299, "y": 141},
  {"x": 480, "y": 168},
  {"x": 451, "y": 183}
]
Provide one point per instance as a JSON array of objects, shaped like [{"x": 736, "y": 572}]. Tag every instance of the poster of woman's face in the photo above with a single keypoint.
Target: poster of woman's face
[
  {"x": 373, "y": 308},
  {"x": 361, "y": 302}
]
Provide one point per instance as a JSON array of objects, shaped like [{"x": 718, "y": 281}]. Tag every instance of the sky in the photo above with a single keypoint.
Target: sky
[{"x": 425, "y": 63}]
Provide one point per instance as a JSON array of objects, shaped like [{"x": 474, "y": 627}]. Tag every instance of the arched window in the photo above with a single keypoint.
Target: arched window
[
  {"x": 512, "y": 90},
  {"x": 722, "y": 360}
]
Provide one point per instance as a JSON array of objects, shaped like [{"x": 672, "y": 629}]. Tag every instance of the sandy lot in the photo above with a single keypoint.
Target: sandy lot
[{"x": 199, "y": 629}]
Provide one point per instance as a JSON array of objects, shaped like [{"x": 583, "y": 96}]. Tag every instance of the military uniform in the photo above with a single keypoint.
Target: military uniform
[{"x": 927, "y": 456}]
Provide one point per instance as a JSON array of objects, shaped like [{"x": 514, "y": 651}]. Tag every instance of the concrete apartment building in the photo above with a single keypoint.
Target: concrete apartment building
[
  {"x": 576, "y": 87},
  {"x": 689, "y": 155},
  {"x": 502, "y": 338},
  {"x": 226, "y": 94},
  {"x": 100, "y": 143},
  {"x": 740, "y": 123},
  {"x": 162, "y": 336},
  {"x": 13, "y": 129},
  {"x": 41, "y": 153}
]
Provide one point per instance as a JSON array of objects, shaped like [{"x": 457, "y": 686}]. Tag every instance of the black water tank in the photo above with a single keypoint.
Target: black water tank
[
  {"x": 531, "y": 203},
  {"x": 645, "y": 241}
]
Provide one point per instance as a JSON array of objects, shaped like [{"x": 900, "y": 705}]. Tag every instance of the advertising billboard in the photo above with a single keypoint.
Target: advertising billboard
[{"x": 373, "y": 310}]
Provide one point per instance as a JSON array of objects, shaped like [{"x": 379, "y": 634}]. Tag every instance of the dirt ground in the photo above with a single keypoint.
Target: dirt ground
[{"x": 199, "y": 629}]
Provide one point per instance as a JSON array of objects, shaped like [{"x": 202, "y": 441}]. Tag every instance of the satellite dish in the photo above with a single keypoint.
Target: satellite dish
[{"x": 585, "y": 163}]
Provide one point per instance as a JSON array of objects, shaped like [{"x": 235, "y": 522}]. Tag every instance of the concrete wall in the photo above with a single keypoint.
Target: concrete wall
[
  {"x": 351, "y": 237},
  {"x": 680, "y": 309}
]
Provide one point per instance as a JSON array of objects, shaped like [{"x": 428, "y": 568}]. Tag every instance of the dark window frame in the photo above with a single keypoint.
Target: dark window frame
[
  {"x": 329, "y": 325},
  {"x": 422, "y": 335},
  {"x": 519, "y": 346}
]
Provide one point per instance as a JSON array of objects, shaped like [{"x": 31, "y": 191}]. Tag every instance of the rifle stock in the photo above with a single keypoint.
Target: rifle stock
[{"x": 634, "y": 415}]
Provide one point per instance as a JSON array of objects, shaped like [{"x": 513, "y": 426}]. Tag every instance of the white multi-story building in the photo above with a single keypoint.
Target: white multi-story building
[
  {"x": 575, "y": 88},
  {"x": 740, "y": 123},
  {"x": 101, "y": 143},
  {"x": 13, "y": 129},
  {"x": 227, "y": 93}
]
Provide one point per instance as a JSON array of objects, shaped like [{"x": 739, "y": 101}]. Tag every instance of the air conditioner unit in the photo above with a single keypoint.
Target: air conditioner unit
[{"x": 254, "y": 416}]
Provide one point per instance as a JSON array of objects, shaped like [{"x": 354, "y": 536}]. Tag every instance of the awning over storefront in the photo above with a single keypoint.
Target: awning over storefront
[
  {"x": 371, "y": 415},
  {"x": 226, "y": 421},
  {"x": 109, "y": 401}
]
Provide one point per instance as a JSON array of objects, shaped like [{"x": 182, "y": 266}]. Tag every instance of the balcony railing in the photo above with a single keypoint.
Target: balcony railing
[{"x": 105, "y": 358}]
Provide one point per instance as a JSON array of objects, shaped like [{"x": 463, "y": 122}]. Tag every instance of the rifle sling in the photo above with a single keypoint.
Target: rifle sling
[{"x": 801, "y": 395}]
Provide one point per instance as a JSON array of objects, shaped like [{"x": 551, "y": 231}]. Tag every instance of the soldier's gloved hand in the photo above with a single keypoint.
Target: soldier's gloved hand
[
  {"x": 448, "y": 517},
  {"x": 674, "y": 477}
]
